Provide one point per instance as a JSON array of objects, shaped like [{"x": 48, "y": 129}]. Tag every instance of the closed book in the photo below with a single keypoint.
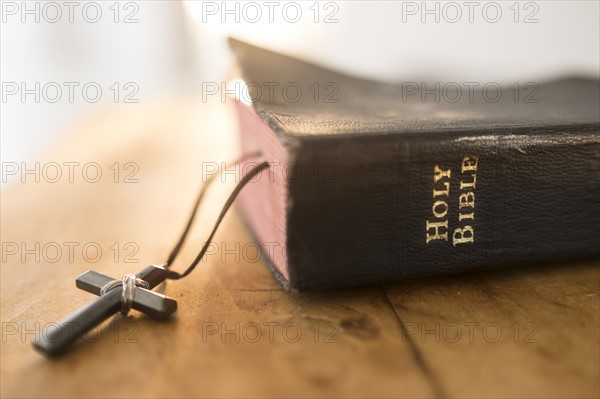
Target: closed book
[{"x": 371, "y": 182}]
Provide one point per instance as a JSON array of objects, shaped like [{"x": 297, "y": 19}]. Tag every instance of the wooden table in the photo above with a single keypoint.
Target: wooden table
[{"x": 526, "y": 332}]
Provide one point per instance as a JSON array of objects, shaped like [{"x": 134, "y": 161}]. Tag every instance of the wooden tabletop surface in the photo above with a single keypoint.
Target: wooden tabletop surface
[{"x": 524, "y": 332}]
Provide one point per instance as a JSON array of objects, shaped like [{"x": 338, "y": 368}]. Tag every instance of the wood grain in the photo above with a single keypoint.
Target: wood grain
[{"x": 399, "y": 340}]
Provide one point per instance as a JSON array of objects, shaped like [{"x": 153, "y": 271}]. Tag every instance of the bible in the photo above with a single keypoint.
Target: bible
[{"x": 372, "y": 182}]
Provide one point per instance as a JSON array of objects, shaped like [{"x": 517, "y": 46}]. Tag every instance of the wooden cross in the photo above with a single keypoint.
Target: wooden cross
[{"x": 133, "y": 291}]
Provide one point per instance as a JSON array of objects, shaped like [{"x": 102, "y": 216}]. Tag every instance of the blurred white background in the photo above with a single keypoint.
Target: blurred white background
[{"x": 168, "y": 48}]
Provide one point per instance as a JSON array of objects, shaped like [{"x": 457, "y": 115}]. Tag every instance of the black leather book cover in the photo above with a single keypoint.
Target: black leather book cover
[{"x": 384, "y": 182}]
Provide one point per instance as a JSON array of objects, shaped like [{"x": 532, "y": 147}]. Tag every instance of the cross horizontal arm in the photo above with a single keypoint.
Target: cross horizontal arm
[
  {"x": 93, "y": 282},
  {"x": 154, "y": 304}
]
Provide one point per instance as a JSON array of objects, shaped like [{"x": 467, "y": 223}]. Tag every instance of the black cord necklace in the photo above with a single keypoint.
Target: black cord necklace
[{"x": 134, "y": 291}]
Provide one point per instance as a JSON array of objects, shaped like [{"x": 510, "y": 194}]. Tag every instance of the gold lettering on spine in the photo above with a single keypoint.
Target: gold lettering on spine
[
  {"x": 468, "y": 184},
  {"x": 463, "y": 216},
  {"x": 444, "y": 192},
  {"x": 436, "y": 228},
  {"x": 469, "y": 164},
  {"x": 462, "y": 236},
  {"x": 466, "y": 200},
  {"x": 440, "y": 174},
  {"x": 436, "y": 206}
]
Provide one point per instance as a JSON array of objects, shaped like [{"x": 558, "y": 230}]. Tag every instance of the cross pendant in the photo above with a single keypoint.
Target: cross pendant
[{"x": 133, "y": 291}]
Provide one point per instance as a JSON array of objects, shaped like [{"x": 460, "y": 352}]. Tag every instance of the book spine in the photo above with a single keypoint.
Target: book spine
[{"x": 379, "y": 208}]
